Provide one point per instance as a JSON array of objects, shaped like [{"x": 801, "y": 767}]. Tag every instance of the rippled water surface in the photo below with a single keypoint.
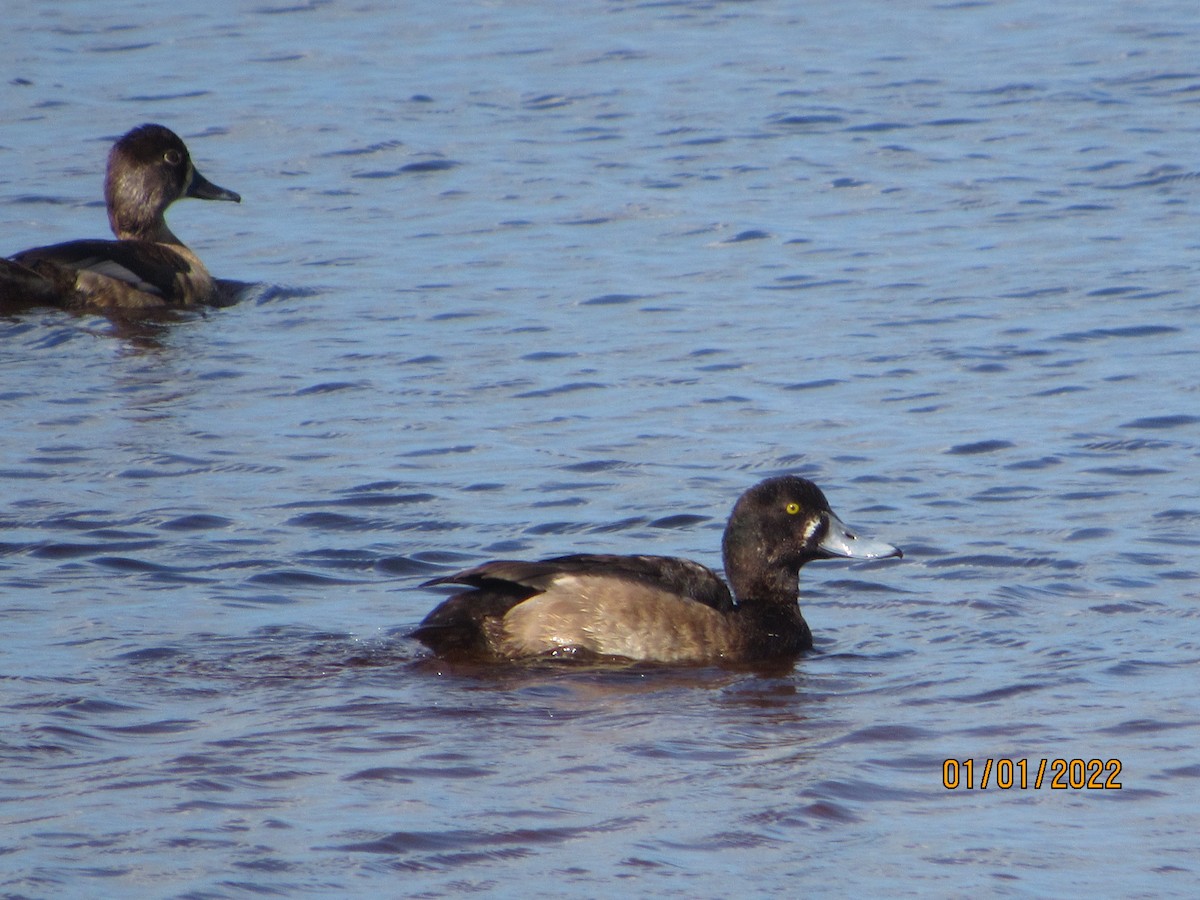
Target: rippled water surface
[{"x": 532, "y": 278}]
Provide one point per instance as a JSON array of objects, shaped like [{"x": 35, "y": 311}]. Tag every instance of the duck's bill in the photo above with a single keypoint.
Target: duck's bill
[
  {"x": 203, "y": 189},
  {"x": 841, "y": 542}
]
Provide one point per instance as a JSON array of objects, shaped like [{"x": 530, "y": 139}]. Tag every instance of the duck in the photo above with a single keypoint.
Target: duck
[
  {"x": 656, "y": 609},
  {"x": 147, "y": 267}
]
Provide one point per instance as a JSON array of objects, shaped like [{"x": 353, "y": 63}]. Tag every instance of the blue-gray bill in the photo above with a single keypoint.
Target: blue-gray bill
[{"x": 840, "y": 541}]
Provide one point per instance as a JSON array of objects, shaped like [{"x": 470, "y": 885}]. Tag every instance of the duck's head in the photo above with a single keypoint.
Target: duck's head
[
  {"x": 150, "y": 168},
  {"x": 779, "y": 525}
]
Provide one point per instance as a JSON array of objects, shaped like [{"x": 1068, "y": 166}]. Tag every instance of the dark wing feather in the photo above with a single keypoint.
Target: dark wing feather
[{"x": 678, "y": 576}]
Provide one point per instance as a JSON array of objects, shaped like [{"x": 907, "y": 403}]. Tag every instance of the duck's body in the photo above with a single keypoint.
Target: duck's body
[
  {"x": 111, "y": 276},
  {"x": 147, "y": 267},
  {"x": 654, "y": 608}
]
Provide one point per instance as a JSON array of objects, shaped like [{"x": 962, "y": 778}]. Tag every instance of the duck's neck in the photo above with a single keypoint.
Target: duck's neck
[
  {"x": 756, "y": 574},
  {"x": 775, "y": 587},
  {"x": 767, "y": 592},
  {"x": 773, "y": 629},
  {"x": 131, "y": 228}
]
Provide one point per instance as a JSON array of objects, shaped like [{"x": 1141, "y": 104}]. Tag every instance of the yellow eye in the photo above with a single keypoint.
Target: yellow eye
[{"x": 792, "y": 508}]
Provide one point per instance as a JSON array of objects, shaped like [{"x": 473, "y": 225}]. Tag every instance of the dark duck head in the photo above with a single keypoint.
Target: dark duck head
[{"x": 149, "y": 169}]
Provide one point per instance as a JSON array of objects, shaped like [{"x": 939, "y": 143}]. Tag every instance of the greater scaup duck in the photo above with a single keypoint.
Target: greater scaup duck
[
  {"x": 146, "y": 267},
  {"x": 656, "y": 608}
]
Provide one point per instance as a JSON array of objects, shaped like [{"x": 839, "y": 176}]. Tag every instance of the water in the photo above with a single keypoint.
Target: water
[{"x": 535, "y": 278}]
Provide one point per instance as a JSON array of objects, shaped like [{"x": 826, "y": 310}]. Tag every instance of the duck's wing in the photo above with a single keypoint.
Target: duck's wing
[
  {"x": 521, "y": 579},
  {"x": 143, "y": 266}
]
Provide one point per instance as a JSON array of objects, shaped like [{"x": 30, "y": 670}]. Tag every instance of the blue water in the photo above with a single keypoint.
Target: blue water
[{"x": 534, "y": 278}]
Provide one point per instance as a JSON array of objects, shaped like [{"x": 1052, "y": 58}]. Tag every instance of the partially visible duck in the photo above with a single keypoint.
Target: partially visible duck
[
  {"x": 656, "y": 608},
  {"x": 147, "y": 267}
]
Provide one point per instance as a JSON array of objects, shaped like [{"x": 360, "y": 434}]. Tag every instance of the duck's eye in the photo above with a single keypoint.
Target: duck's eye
[
  {"x": 173, "y": 157},
  {"x": 792, "y": 508}
]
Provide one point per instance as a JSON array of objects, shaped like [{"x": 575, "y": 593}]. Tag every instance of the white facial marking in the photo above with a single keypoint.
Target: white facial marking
[{"x": 811, "y": 528}]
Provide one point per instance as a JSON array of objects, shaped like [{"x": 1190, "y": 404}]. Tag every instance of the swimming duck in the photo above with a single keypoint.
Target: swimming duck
[
  {"x": 656, "y": 608},
  {"x": 147, "y": 267}
]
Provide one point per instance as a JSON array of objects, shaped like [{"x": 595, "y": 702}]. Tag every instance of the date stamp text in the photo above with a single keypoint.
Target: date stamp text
[{"x": 1031, "y": 774}]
